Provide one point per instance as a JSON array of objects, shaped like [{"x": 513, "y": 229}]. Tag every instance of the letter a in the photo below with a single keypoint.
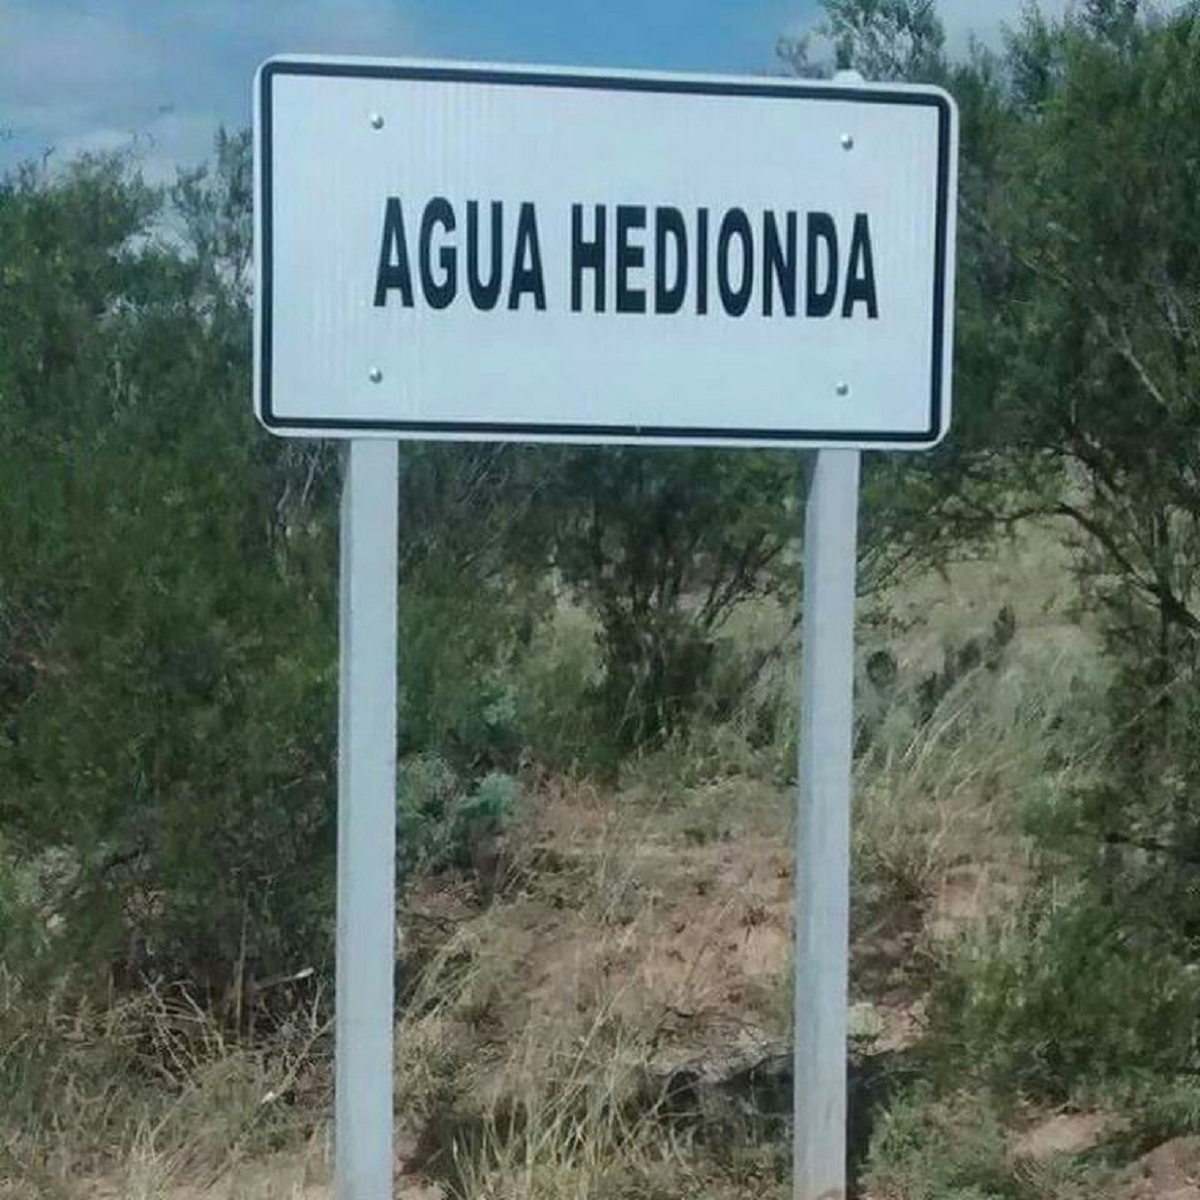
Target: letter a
[
  {"x": 527, "y": 275},
  {"x": 393, "y": 258},
  {"x": 860, "y": 278}
]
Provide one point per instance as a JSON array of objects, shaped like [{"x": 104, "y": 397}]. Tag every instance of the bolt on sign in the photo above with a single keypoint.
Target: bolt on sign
[{"x": 531, "y": 254}]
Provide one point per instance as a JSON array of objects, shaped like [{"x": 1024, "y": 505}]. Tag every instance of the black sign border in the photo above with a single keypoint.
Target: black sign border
[{"x": 630, "y": 434}]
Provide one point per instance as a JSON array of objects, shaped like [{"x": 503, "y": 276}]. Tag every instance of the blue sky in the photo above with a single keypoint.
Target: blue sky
[{"x": 161, "y": 74}]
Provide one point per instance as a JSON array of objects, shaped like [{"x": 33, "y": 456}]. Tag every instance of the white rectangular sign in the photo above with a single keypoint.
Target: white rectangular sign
[{"x": 449, "y": 251}]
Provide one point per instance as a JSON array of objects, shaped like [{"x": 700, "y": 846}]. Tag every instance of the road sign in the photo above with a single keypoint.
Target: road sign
[
  {"x": 452, "y": 251},
  {"x": 533, "y": 254}
]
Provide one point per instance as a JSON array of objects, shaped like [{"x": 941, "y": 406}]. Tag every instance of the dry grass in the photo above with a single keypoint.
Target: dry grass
[
  {"x": 145, "y": 1096},
  {"x": 634, "y": 940},
  {"x": 557, "y": 1016}
]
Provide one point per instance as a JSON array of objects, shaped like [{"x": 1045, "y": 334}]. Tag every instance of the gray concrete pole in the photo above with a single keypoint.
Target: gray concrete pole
[
  {"x": 366, "y": 823},
  {"x": 823, "y": 828}
]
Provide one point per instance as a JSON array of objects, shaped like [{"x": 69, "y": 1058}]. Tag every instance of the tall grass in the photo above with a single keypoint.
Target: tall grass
[
  {"x": 946, "y": 788},
  {"x": 147, "y": 1092},
  {"x": 532, "y": 1058}
]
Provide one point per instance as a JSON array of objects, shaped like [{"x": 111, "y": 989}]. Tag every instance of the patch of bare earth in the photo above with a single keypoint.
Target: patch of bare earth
[
  {"x": 1064, "y": 1133},
  {"x": 653, "y": 935},
  {"x": 1171, "y": 1172},
  {"x": 604, "y": 910}
]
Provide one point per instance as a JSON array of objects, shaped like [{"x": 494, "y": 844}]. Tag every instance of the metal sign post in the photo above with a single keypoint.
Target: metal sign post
[
  {"x": 366, "y": 824},
  {"x": 474, "y": 252},
  {"x": 823, "y": 828}
]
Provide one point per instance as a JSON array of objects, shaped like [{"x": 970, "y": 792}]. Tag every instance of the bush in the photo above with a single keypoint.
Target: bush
[
  {"x": 1092, "y": 986},
  {"x": 949, "y": 1148},
  {"x": 661, "y": 547},
  {"x": 956, "y": 1146},
  {"x": 457, "y": 695},
  {"x": 557, "y": 681},
  {"x": 1070, "y": 1001},
  {"x": 444, "y": 825}
]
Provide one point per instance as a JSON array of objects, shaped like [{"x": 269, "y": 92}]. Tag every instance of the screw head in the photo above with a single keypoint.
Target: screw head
[
  {"x": 843, "y": 388},
  {"x": 377, "y": 120},
  {"x": 375, "y": 375},
  {"x": 847, "y": 141}
]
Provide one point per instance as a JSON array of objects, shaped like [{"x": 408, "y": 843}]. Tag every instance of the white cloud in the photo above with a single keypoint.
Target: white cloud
[
  {"x": 985, "y": 19},
  {"x": 160, "y": 146},
  {"x": 157, "y": 76}
]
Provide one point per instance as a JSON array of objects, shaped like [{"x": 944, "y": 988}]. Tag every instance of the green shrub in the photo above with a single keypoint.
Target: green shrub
[
  {"x": 1092, "y": 986},
  {"x": 444, "y": 824},
  {"x": 955, "y": 1145},
  {"x": 461, "y": 645},
  {"x": 23, "y": 930},
  {"x": 558, "y": 679},
  {"x": 948, "y": 1148},
  {"x": 1165, "y": 1108},
  {"x": 1069, "y": 1000}
]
